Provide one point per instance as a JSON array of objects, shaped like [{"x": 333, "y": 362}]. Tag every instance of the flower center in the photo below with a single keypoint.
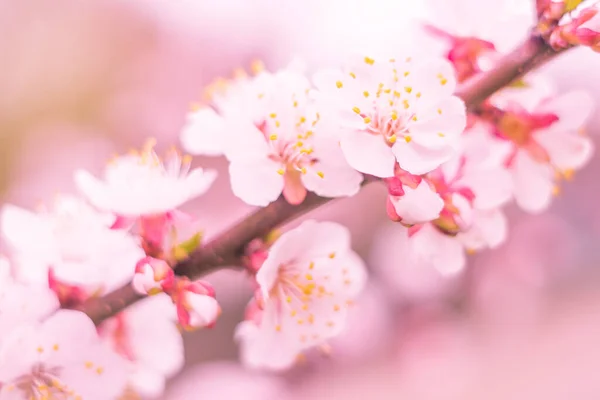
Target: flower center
[
  {"x": 297, "y": 292},
  {"x": 43, "y": 384}
]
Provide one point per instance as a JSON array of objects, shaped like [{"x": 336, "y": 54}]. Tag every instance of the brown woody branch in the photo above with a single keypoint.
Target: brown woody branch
[{"x": 225, "y": 250}]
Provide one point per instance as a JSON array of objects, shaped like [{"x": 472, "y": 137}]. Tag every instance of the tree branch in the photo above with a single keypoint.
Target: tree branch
[
  {"x": 531, "y": 54},
  {"x": 226, "y": 249}
]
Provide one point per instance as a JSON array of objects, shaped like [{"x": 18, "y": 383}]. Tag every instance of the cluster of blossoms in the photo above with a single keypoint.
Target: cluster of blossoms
[{"x": 448, "y": 173}]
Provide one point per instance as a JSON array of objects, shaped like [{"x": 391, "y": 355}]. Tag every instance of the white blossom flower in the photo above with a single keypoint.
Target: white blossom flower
[
  {"x": 306, "y": 284},
  {"x": 146, "y": 336},
  {"x": 226, "y": 380},
  {"x": 141, "y": 184},
  {"x": 73, "y": 240},
  {"x": 392, "y": 110},
  {"x": 61, "y": 357}
]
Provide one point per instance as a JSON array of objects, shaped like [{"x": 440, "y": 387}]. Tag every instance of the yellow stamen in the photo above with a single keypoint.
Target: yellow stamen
[
  {"x": 356, "y": 110},
  {"x": 339, "y": 84},
  {"x": 369, "y": 60},
  {"x": 273, "y": 137},
  {"x": 321, "y": 174},
  {"x": 407, "y": 139}
]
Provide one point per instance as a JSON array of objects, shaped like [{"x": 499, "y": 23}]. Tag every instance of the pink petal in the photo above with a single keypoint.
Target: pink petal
[{"x": 418, "y": 205}]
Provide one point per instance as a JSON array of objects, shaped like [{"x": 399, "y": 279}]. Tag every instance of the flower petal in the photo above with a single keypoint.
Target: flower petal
[
  {"x": 368, "y": 153},
  {"x": 573, "y": 110},
  {"x": 204, "y": 133},
  {"x": 567, "y": 150},
  {"x": 533, "y": 183},
  {"x": 418, "y": 205},
  {"x": 256, "y": 182},
  {"x": 419, "y": 160}
]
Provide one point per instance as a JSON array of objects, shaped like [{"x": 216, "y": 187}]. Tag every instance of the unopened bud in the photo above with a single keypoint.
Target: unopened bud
[
  {"x": 196, "y": 304},
  {"x": 152, "y": 276}
]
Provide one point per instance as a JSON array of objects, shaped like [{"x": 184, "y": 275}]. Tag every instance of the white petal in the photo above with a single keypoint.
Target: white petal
[
  {"x": 489, "y": 230},
  {"x": 434, "y": 79},
  {"x": 147, "y": 383},
  {"x": 198, "y": 181},
  {"x": 245, "y": 142},
  {"x": 337, "y": 181},
  {"x": 272, "y": 350},
  {"x": 93, "y": 189},
  {"x": 567, "y": 150},
  {"x": 418, "y": 205},
  {"x": 156, "y": 341},
  {"x": 533, "y": 183},
  {"x": 492, "y": 187},
  {"x": 204, "y": 309},
  {"x": 204, "y": 133},
  {"x": 368, "y": 153},
  {"x": 442, "y": 252},
  {"x": 256, "y": 182},
  {"x": 419, "y": 160},
  {"x": 573, "y": 110},
  {"x": 441, "y": 125}
]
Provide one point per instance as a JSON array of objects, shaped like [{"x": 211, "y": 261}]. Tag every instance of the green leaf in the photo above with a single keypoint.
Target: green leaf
[{"x": 185, "y": 248}]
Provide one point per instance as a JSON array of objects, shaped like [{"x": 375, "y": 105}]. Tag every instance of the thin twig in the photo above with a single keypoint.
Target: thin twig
[{"x": 226, "y": 249}]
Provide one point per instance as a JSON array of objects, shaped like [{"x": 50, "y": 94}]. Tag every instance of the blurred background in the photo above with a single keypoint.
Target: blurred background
[{"x": 81, "y": 81}]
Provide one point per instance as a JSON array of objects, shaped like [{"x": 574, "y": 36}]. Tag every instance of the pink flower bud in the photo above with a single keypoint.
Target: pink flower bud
[
  {"x": 196, "y": 304},
  {"x": 583, "y": 30},
  {"x": 152, "y": 276}
]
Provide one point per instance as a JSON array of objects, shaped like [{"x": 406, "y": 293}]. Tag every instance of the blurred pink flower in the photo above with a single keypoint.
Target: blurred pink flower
[
  {"x": 225, "y": 380},
  {"x": 146, "y": 336}
]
